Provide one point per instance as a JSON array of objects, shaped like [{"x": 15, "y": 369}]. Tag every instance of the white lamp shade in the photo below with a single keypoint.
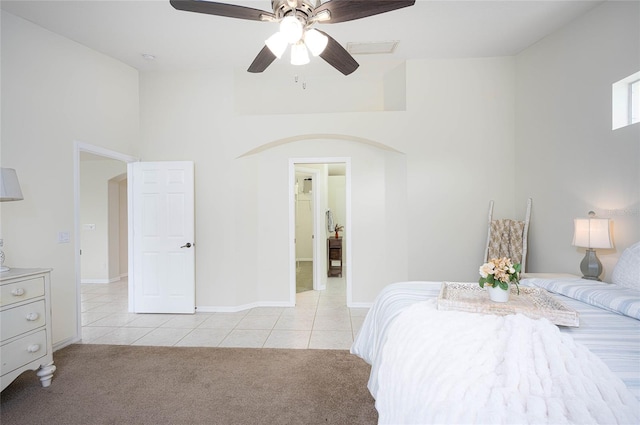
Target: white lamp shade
[
  {"x": 592, "y": 233},
  {"x": 291, "y": 29},
  {"x": 9, "y": 186},
  {"x": 277, "y": 43},
  {"x": 299, "y": 54},
  {"x": 315, "y": 41}
]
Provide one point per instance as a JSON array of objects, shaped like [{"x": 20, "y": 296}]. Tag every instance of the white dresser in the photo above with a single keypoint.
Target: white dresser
[{"x": 25, "y": 325}]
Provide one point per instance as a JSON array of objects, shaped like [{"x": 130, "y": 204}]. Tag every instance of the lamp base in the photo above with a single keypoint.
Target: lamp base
[
  {"x": 3, "y": 268},
  {"x": 590, "y": 266}
]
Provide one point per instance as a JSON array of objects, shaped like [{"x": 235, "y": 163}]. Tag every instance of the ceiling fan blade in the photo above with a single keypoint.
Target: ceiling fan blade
[
  {"x": 349, "y": 10},
  {"x": 338, "y": 57},
  {"x": 262, "y": 61},
  {"x": 221, "y": 9}
]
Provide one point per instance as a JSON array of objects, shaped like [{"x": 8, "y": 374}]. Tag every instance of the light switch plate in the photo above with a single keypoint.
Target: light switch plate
[{"x": 64, "y": 237}]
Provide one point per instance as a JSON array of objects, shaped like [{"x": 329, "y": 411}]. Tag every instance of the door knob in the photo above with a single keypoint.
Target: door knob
[{"x": 187, "y": 245}]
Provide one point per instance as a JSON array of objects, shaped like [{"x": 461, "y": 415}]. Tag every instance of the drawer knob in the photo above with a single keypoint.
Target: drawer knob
[
  {"x": 17, "y": 292},
  {"x": 32, "y": 317},
  {"x": 33, "y": 348}
]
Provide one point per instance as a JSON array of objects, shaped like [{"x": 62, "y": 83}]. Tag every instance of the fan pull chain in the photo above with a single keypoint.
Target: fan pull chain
[{"x": 304, "y": 82}]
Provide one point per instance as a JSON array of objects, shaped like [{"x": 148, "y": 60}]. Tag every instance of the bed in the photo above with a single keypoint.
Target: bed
[{"x": 433, "y": 366}]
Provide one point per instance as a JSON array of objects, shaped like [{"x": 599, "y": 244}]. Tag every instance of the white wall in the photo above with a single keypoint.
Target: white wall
[
  {"x": 571, "y": 161},
  {"x": 369, "y": 203},
  {"x": 337, "y": 203},
  {"x": 54, "y": 92},
  {"x": 428, "y": 179},
  {"x": 100, "y": 207},
  {"x": 395, "y": 89},
  {"x": 459, "y": 147},
  {"x": 312, "y": 93},
  {"x": 337, "y": 190}
]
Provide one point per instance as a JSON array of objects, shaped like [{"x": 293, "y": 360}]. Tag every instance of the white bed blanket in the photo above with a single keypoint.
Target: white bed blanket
[{"x": 454, "y": 367}]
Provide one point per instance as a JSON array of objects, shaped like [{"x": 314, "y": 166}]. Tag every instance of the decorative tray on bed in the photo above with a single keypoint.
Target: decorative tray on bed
[{"x": 532, "y": 302}]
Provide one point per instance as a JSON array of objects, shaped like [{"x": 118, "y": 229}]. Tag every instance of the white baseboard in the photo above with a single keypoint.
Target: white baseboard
[
  {"x": 61, "y": 344},
  {"x": 243, "y": 307},
  {"x": 92, "y": 281},
  {"x": 360, "y": 305}
]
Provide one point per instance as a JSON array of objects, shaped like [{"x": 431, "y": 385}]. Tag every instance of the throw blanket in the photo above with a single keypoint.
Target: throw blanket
[
  {"x": 506, "y": 239},
  {"x": 454, "y": 367}
]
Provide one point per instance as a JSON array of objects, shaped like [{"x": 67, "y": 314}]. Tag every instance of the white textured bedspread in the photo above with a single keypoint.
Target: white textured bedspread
[{"x": 453, "y": 367}]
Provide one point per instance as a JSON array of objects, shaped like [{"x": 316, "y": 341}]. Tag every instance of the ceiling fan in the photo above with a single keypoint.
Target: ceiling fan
[{"x": 296, "y": 19}]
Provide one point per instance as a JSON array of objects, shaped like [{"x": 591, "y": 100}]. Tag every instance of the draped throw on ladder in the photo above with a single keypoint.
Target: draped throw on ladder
[{"x": 506, "y": 239}]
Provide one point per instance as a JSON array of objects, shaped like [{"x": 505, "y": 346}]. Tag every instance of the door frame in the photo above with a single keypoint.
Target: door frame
[
  {"x": 319, "y": 225},
  {"x": 79, "y": 147}
]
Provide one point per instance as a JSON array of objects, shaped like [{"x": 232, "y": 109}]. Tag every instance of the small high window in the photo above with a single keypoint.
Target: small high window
[
  {"x": 626, "y": 101},
  {"x": 634, "y": 102}
]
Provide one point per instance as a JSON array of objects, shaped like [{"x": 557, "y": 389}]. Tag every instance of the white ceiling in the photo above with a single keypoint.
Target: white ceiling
[{"x": 183, "y": 40}]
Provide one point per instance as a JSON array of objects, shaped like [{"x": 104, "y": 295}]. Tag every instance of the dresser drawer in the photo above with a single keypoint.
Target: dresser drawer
[
  {"x": 18, "y": 320},
  {"x": 23, "y": 351},
  {"x": 335, "y": 242},
  {"x": 20, "y": 291}
]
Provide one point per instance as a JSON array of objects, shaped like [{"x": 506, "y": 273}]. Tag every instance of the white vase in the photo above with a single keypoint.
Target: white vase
[{"x": 498, "y": 294}]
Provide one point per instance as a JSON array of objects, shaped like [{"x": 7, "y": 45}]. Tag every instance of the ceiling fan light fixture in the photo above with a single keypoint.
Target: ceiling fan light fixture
[
  {"x": 277, "y": 43},
  {"x": 299, "y": 54},
  {"x": 294, "y": 17},
  {"x": 291, "y": 29},
  {"x": 315, "y": 41}
]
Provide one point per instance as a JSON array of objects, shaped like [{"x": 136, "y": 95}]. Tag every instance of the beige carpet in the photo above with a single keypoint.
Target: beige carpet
[{"x": 109, "y": 384}]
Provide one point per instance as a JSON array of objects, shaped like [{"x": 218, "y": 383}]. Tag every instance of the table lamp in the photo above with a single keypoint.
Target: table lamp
[
  {"x": 591, "y": 233},
  {"x": 9, "y": 191}
]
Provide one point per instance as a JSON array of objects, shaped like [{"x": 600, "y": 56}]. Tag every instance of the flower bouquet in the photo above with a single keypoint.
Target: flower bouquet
[{"x": 500, "y": 272}]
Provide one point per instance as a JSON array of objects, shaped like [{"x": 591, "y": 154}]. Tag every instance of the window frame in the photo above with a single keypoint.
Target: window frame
[
  {"x": 625, "y": 101},
  {"x": 634, "y": 102}
]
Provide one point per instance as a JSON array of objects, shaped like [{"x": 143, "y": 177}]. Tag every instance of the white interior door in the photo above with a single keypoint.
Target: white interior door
[{"x": 161, "y": 228}]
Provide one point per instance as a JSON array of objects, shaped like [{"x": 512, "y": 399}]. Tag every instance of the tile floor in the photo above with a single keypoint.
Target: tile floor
[{"x": 320, "y": 320}]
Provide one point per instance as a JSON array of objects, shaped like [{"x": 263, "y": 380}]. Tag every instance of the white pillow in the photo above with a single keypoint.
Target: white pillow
[{"x": 627, "y": 270}]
